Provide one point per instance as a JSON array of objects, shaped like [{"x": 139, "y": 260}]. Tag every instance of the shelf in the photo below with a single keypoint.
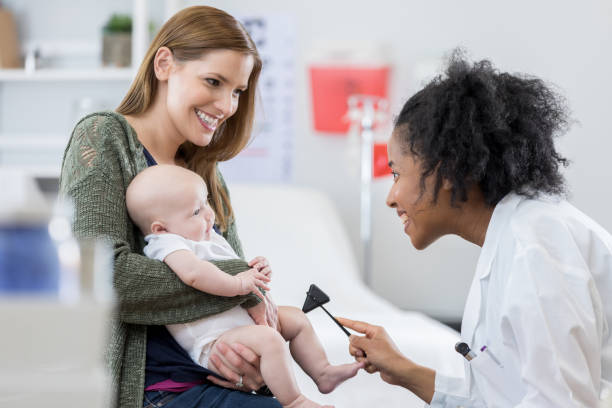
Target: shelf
[
  {"x": 59, "y": 75},
  {"x": 12, "y": 141},
  {"x": 34, "y": 171},
  {"x": 48, "y": 146}
]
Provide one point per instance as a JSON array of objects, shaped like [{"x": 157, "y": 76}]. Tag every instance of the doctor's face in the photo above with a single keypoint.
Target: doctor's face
[{"x": 423, "y": 221}]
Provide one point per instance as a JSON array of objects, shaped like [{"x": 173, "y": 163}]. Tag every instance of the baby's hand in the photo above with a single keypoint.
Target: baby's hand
[
  {"x": 258, "y": 313},
  {"x": 250, "y": 281},
  {"x": 262, "y": 265}
]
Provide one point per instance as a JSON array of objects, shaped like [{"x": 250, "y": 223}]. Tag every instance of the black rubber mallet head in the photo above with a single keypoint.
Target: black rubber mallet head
[{"x": 315, "y": 297}]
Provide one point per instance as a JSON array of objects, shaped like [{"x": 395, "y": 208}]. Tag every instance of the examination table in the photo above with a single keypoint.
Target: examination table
[{"x": 301, "y": 234}]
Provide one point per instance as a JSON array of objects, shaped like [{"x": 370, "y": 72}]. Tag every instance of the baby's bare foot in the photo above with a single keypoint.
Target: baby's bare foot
[
  {"x": 333, "y": 376},
  {"x": 303, "y": 402}
]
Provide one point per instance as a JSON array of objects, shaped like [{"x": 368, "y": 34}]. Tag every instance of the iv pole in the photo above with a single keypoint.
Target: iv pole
[{"x": 366, "y": 112}]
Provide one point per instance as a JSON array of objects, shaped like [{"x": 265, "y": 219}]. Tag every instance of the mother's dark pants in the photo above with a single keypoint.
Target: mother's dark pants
[{"x": 208, "y": 396}]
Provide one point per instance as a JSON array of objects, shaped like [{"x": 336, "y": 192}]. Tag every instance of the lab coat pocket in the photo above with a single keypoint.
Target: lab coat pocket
[{"x": 495, "y": 384}]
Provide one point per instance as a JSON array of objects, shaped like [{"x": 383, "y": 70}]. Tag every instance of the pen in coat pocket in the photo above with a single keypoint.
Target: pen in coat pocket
[{"x": 485, "y": 349}]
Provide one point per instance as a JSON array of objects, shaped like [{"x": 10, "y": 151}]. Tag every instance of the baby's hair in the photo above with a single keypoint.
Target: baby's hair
[
  {"x": 153, "y": 187},
  {"x": 478, "y": 126}
]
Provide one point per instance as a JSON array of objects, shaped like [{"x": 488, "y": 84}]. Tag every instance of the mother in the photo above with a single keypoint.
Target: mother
[
  {"x": 472, "y": 154},
  {"x": 191, "y": 104}
]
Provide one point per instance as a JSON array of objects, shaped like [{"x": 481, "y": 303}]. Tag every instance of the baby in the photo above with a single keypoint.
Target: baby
[{"x": 169, "y": 205}]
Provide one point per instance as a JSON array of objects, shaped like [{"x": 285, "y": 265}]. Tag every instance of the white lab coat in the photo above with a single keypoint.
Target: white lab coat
[{"x": 541, "y": 301}]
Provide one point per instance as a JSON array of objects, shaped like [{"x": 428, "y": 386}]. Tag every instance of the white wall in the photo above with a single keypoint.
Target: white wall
[{"x": 566, "y": 42}]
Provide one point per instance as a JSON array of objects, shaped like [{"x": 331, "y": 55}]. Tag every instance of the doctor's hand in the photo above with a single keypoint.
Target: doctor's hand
[{"x": 380, "y": 354}]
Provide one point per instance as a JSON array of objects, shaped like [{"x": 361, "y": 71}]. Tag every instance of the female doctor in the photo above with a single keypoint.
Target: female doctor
[{"x": 472, "y": 154}]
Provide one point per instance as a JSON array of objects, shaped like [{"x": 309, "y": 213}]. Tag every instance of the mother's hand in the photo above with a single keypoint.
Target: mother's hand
[
  {"x": 237, "y": 363},
  {"x": 272, "y": 312}
]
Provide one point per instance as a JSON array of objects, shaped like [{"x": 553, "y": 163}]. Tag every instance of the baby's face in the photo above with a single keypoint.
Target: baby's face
[{"x": 194, "y": 219}]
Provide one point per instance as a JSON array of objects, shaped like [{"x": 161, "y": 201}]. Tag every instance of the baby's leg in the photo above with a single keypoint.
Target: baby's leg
[
  {"x": 275, "y": 363},
  {"x": 308, "y": 351}
]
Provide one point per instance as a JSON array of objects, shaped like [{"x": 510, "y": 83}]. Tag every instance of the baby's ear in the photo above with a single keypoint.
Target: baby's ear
[{"x": 158, "y": 227}]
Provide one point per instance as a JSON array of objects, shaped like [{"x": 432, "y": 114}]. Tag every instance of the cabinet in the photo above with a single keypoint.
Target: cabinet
[
  {"x": 38, "y": 110},
  {"x": 40, "y": 106}
]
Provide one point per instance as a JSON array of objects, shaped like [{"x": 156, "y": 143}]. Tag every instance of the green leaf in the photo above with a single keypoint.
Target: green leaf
[{"x": 119, "y": 23}]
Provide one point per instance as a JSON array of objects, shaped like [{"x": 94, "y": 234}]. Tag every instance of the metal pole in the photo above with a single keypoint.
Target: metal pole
[{"x": 367, "y": 136}]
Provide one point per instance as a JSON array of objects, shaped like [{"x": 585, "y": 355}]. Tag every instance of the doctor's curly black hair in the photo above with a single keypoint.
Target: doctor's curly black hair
[{"x": 475, "y": 125}]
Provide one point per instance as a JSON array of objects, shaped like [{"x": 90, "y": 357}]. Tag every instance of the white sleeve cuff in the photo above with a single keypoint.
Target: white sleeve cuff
[{"x": 452, "y": 392}]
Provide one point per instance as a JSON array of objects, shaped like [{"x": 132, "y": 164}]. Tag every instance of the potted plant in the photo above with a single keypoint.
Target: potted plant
[{"x": 117, "y": 41}]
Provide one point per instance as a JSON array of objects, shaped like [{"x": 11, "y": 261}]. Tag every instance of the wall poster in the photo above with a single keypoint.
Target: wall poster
[{"x": 269, "y": 156}]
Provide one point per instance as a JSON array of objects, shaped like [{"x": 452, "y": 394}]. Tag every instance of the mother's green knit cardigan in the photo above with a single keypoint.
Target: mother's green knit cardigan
[{"x": 102, "y": 157}]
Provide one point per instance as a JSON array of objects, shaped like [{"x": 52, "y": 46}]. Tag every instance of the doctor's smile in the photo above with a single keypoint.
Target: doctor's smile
[{"x": 404, "y": 218}]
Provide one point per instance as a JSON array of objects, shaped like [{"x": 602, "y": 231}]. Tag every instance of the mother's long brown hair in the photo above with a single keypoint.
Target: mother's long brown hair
[{"x": 189, "y": 34}]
